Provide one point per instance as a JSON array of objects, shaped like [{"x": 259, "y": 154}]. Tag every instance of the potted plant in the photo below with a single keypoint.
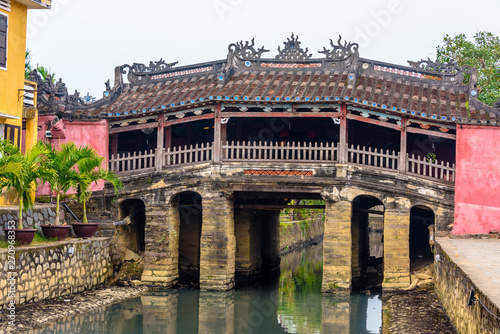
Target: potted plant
[
  {"x": 63, "y": 162},
  {"x": 21, "y": 173},
  {"x": 91, "y": 171}
]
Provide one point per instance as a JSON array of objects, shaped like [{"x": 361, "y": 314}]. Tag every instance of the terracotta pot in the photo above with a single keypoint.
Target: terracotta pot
[
  {"x": 24, "y": 236},
  {"x": 85, "y": 230},
  {"x": 58, "y": 232}
]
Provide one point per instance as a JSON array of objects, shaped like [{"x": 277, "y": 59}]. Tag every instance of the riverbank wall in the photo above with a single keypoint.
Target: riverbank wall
[
  {"x": 33, "y": 273},
  {"x": 295, "y": 235},
  {"x": 464, "y": 291}
]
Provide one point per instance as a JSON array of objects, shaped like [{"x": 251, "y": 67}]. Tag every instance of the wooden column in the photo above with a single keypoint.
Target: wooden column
[
  {"x": 114, "y": 144},
  {"x": 159, "y": 143},
  {"x": 402, "y": 146},
  {"x": 167, "y": 130},
  {"x": 217, "y": 149},
  {"x": 343, "y": 135}
]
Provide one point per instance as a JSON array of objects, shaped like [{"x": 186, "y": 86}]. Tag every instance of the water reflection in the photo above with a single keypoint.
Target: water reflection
[{"x": 291, "y": 303}]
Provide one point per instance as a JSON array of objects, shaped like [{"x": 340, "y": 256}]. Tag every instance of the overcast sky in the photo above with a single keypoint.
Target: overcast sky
[{"x": 82, "y": 41}]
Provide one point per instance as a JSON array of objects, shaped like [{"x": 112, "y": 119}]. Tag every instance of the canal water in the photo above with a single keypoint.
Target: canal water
[{"x": 290, "y": 303}]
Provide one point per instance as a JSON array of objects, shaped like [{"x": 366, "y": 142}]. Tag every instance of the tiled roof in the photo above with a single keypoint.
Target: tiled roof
[{"x": 246, "y": 78}]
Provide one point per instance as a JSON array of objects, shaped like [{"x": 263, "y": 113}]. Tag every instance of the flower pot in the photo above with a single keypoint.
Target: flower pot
[
  {"x": 58, "y": 232},
  {"x": 85, "y": 230},
  {"x": 23, "y": 237}
]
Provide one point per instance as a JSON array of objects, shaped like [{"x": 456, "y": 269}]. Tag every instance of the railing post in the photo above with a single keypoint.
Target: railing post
[
  {"x": 343, "y": 134},
  {"x": 402, "y": 147}
]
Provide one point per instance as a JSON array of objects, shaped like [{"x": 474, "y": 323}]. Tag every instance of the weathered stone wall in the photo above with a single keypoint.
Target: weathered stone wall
[
  {"x": 453, "y": 289},
  {"x": 295, "y": 234},
  {"x": 55, "y": 270},
  {"x": 42, "y": 214}
]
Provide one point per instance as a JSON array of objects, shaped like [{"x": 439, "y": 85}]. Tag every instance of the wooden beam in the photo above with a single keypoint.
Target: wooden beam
[
  {"x": 133, "y": 127},
  {"x": 374, "y": 121},
  {"x": 277, "y": 206},
  {"x": 188, "y": 119},
  {"x": 432, "y": 133},
  {"x": 281, "y": 114}
]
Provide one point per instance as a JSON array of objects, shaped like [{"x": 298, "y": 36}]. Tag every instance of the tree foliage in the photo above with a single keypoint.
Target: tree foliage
[
  {"x": 28, "y": 67},
  {"x": 483, "y": 53}
]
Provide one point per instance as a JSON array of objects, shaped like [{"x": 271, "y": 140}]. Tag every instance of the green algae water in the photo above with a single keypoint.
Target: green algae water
[{"x": 290, "y": 303}]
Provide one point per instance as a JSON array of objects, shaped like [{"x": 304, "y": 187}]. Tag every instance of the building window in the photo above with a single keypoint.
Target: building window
[
  {"x": 3, "y": 41},
  {"x": 5, "y": 4}
]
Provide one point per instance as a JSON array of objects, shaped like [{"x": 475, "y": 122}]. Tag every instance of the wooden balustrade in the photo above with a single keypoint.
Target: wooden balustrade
[
  {"x": 279, "y": 151},
  {"x": 417, "y": 165},
  {"x": 187, "y": 155},
  {"x": 128, "y": 162},
  {"x": 283, "y": 152},
  {"x": 376, "y": 158}
]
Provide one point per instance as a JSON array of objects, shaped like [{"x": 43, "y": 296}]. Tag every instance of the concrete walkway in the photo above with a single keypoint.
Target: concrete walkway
[{"x": 480, "y": 260}]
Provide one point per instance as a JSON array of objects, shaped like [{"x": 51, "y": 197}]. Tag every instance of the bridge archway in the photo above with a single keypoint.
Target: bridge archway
[
  {"x": 132, "y": 237},
  {"x": 189, "y": 206},
  {"x": 367, "y": 226},
  {"x": 422, "y": 224}
]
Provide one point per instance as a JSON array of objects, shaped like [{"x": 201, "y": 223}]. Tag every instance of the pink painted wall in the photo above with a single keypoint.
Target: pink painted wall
[
  {"x": 477, "y": 185},
  {"x": 91, "y": 133}
]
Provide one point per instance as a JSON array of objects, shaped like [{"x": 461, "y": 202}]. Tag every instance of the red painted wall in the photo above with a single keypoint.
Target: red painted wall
[
  {"x": 477, "y": 185},
  {"x": 92, "y": 133}
]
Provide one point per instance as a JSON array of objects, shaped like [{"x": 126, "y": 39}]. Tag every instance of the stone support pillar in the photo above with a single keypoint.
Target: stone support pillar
[
  {"x": 396, "y": 248},
  {"x": 218, "y": 244},
  {"x": 162, "y": 245},
  {"x": 248, "y": 244},
  {"x": 270, "y": 238},
  {"x": 337, "y": 247}
]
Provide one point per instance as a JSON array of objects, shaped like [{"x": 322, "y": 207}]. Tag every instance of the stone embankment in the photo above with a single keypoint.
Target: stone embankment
[
  {"x": 295, "y": 235},
  {"x": 54, "y": 270}
]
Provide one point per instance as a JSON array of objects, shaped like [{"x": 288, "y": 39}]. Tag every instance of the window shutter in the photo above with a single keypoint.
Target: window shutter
[
  {"x": 5, "y": 4},
  {"x": 3, "y": 41}
]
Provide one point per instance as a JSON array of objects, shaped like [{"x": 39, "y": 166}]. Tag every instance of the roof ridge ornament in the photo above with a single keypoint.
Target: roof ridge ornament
[
  {"x": 450, "y": 68},
  {"x": 339, "y": 51},
  {"x": 247, "y": 50},
  {"x": 157, "y": 66},
  {"x": 292, "y": 50}
]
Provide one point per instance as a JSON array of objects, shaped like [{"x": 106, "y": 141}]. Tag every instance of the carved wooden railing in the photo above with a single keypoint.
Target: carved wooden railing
[
  {"x": 279, "y": 151},
  {"x": 129, "y": 162},
  {"x": 375, "y": 158},
  {"x": 283, "y": 152},
  {"x": 187, "y": 155},
  {"x": 430, "y": 169}
]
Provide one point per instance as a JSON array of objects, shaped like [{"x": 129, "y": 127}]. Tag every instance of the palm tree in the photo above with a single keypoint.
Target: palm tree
[
  {"x": 91, "y": 171},
  {"x": 23, "y": 172},
  {"x": 64, "y": 162}
]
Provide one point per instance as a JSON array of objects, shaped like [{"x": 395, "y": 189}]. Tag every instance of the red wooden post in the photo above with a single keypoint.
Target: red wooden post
[
  {"x": 159, "y": 142},
  {"x": 343, "y": 134},
  {"x": 217, "y": 134},
  {"x": 168, "y": 137},
  {"x": 402, "y": 146},
  {"x": 114, "y": 144}
]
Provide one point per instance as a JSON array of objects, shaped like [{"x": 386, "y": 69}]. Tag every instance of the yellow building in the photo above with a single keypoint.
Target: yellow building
[{"x": 17, "y": 95}]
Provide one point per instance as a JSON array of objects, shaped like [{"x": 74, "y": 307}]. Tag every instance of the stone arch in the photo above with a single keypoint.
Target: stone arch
[
  {"x": 367, "y": 228},
  {"x": 186, "y": 218},
  {"x": 422, "y": 231},
  {"x": 133, "y": 213}
]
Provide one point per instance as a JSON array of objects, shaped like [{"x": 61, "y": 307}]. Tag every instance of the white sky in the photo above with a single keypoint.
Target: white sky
[{"x": 82, "y": 41}]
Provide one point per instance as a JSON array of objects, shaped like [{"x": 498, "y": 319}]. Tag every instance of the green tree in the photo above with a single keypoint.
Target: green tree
[
  {"x": 64, "y": 162},
  {"x": 482, "y": 53},
  {"x": 25, "y": 171},
  {"x": 91, "y": 171}
]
